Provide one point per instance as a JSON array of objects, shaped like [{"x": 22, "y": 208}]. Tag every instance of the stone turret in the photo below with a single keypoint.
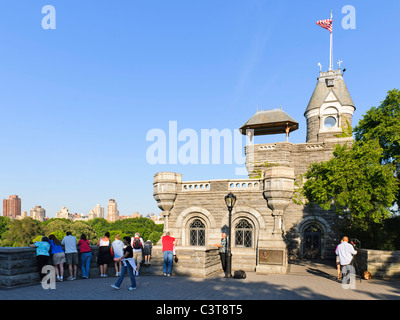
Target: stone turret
[
  {"x": 330, "y": 109},
  {"x": 165, "y": 192}
]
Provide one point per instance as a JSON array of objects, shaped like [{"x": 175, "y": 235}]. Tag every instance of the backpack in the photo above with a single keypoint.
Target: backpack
[
  {"x": 239, "y": 274},
  {"x": 137, "y": 244}
]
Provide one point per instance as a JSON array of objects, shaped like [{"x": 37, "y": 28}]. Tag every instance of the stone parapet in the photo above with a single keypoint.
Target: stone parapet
[
  {"x": 381, "y": 264},
  {"x": 18, "y": 266}
]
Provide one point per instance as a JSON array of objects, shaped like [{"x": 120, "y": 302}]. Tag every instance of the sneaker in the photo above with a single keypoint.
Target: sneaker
[
  {"x": 131, "y": 288},
  {"x": 168, "y": 274},
  {"x": 115, "y": 287},
  {"x": 164, "y": 274},
  {"x": 70, "y": 278}
]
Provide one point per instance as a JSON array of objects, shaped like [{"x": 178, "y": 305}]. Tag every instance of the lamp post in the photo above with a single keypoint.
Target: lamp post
[{"x": 230, "y": 201}]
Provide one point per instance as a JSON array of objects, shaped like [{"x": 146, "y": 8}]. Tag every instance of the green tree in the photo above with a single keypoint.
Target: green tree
[
  {"x": 4, "y": 225},
  {"x": 21, "y": 232},
  {"x": 79, "y": 227},
  {"x": 354, "y": 184},
  {"x": 56, "y": 225},
  {"x": 383, "y": 125},
  {"x": 100, "y": 226}
]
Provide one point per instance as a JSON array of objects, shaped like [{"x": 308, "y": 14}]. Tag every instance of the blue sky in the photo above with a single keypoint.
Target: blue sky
[{"x": 77, "y": 102}]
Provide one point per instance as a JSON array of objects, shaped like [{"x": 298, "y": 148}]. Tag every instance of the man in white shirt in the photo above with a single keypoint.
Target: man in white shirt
[
  {"x": 71, "y": 254},
  {"x": 345, "y": 251}
]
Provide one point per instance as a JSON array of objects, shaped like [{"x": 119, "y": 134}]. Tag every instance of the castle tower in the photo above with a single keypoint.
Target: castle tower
[{"x": 330, "y": 110}]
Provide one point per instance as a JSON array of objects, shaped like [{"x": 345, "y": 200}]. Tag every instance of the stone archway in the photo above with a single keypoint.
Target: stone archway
[{"x": 313, "y": 232}]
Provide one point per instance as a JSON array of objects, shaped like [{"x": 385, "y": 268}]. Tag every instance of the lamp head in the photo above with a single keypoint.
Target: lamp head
[{"x": 230, "y": 200}]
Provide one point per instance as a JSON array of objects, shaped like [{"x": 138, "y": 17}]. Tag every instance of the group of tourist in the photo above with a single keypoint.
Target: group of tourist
[
  {"x": 51, "y": 246},
  {"x": 131, "y": 255},
  {"x": 127, "y": 255},
  {"x": 108, "y": 252}
]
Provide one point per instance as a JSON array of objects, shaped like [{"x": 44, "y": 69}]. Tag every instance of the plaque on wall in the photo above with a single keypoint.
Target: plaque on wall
[{"x": 270, "y": 257}]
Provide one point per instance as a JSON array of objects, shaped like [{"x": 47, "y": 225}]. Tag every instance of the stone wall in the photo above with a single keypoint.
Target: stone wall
[
  {"x": 18, "y": 266},
  {"x": 381, "y": 264},
  {"x": 194, "y": 262}
]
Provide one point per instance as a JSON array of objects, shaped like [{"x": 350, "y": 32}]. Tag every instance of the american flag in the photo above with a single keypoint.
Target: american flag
[{"x": 326, "y": 24}]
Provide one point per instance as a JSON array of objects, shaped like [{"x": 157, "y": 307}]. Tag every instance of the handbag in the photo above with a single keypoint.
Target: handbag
[{"x": 111, "y": 250}]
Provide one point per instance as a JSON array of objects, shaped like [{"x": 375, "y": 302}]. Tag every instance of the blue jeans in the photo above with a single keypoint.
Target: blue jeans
[
  {"x": 168, "y": 258},
  {"x": 85, "y": 263},
  {"x": 123, "y": 272}
]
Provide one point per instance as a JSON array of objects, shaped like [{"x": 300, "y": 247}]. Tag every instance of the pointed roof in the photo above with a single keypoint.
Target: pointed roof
[
  {"x": 330, "y": 82},
  {"x": 267, "y": 122}
]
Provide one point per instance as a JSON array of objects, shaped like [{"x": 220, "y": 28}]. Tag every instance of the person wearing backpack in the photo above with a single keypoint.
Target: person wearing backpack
[{"x": 137, "y": 246}]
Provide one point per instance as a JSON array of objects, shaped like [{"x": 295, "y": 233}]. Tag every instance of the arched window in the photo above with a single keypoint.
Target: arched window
[
  {"x": 197, "y": 233},
  {"x": 331, "y": 118},
  {"x": 243, "y": 234}
]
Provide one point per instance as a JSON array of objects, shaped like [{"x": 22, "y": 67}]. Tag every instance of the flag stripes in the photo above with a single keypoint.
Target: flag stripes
[{"x": 326, "y": 24}]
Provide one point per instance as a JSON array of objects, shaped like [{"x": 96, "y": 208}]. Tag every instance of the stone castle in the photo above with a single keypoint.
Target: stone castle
[{"x": 268, "y": 228}]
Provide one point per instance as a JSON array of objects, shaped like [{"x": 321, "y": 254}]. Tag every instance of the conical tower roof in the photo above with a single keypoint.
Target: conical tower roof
[{"x": 330, "y": 82}]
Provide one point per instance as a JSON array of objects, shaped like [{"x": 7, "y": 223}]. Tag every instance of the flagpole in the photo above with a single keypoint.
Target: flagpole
[{"x": 331, "y": 52}]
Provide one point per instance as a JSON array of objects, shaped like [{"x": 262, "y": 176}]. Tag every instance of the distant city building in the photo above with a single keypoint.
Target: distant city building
[
  {"x": 157, "y": 219},
  {"x": 64, "y": 214},
  {"x": 112, "y": 211},
  {"x": 80, "y": 217},
  {"x": 135, "y": 215},
  {"x": 98, "y": 212},
  {"x": 38, "y": 213},
  {"x": 12, "y": 207},
  {"x": 91, "y": 215}
]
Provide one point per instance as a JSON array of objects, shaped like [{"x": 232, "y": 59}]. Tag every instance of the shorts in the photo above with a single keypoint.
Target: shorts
[
  {"x": 137, "y": 256},
  {"x": 72, "y": 258},
  {"x": 59, "y": 258}
]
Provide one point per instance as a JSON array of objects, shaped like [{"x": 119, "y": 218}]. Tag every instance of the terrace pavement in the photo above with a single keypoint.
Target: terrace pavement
[{"x": 304, "y": 281}]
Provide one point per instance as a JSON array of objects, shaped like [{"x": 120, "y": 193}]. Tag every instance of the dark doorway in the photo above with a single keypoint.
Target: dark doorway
[{"x": 312, "y": 243}]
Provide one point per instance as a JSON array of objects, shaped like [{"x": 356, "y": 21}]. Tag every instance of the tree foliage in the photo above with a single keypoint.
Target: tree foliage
[
  {"x": 354, "y": 184},
  {"x": 383, "y": 125},
  {"x": 20, "y": 233}
]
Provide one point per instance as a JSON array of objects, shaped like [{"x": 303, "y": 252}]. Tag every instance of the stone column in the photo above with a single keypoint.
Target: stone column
[{"x": 278, "y": 192}]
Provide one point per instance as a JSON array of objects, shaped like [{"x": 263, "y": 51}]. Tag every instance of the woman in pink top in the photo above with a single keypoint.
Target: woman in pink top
[{"x": 86, "y": 255}]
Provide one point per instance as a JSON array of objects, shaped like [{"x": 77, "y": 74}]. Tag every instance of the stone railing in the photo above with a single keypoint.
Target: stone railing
[
  {"x": 18, "y": 266},
  {"x": 196, "y": 186},
  {"x": 381, "y": 264}
]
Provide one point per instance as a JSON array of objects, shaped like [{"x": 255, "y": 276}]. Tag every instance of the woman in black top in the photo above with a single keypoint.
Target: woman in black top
[{"x": 128, "y": 264}]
